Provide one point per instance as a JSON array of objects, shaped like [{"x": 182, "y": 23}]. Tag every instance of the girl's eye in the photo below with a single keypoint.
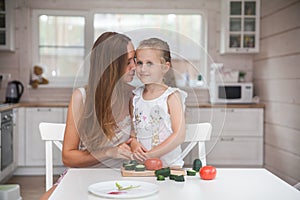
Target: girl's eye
[
  {"x": 149, "y": 64},
  {"x": 139, "y": 63}
]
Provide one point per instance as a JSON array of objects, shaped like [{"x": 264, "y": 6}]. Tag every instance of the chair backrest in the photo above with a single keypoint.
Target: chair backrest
[
  {"x": 197, "y": 134},
  {"x": 51, "y": 133}
]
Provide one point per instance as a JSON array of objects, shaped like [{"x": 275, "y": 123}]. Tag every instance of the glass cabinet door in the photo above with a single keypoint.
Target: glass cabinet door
[{"x": 2, "y": 22}]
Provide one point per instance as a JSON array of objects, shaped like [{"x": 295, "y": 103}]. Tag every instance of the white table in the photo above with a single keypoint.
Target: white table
[{"x": 233, "y": 184}]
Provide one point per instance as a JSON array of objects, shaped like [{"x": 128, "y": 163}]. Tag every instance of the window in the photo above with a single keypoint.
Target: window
[
  {"x": 62, "y": 40},
  {"x": 60, "y": 48},
  {"x": 184, "y": 32}
]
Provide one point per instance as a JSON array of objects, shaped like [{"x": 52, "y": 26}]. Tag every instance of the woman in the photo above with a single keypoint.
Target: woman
[{"x": 98, "y": 121}]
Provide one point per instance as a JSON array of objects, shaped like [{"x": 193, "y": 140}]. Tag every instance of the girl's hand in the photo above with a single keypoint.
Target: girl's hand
[{"x": 138, "y": 150}]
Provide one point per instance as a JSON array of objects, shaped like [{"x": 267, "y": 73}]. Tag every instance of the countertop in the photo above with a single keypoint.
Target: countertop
[{"x": 4, "y": 107}]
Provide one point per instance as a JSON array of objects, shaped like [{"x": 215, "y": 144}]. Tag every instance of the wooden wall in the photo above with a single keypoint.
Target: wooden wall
[{"x": 277, "y": 81}]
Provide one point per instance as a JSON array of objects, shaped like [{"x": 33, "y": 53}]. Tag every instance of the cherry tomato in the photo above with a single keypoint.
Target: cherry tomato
[
  {"x": 208, "y": 172},
  {"x": 153, "y": 164}
]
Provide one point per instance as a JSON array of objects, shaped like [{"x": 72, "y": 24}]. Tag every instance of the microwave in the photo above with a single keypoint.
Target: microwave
[{"x": 231, "y": 93}]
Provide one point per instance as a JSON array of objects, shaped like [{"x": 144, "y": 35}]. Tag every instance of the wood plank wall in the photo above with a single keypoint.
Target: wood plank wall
[{"x": 276, "y": 75}]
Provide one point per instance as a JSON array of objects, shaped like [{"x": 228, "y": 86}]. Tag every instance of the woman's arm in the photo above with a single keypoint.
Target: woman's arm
[
  {"x": 71, "y": 155},
  {"x": 178, "y": 126}
]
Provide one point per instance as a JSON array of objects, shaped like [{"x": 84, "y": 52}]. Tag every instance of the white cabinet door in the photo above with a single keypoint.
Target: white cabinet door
[
  {"x": 235, "y": 151},
  {"x": 35, "y": 147},
  {"x": 237, "y": 135},
  {"x": 19, "y": 135}
]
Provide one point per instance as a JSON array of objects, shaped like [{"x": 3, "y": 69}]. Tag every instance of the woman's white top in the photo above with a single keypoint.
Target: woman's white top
[{"x": 152, "y": 122}]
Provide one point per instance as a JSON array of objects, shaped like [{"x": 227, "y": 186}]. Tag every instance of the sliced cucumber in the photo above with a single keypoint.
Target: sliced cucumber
[
  {"x": 191, "y": 172},
  {"x": 164, "y": 172},
  {"x": 179, "y": 178},
  {"x": 129, "y": 167},
  {"x": 140, "y": 168},
  {"x": 172, "y": 176},
  {"x": 160, "y": 178},
  {"x": 135, "y": 162}
]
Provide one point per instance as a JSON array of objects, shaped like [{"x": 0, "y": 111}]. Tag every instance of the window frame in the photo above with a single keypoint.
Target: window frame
[{"x": 58, "y": 82}]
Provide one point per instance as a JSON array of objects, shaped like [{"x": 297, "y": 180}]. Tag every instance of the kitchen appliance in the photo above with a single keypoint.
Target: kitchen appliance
[
  {"x": 6, "y": 148},
  {"x": 14, "y": 91},
  {"x": 231, "y": 93}
]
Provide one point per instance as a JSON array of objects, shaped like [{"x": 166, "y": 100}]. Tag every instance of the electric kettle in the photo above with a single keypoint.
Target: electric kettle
[{"x": 14, "y": 91}]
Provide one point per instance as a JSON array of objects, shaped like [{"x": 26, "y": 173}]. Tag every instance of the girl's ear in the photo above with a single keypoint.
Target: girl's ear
[{"x": 166, "y": 67}]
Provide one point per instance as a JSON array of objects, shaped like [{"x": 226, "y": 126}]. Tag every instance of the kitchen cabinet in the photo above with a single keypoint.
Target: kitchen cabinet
[
  {"x": 31, "y": 149},
  {"x": 7, "y": 25},
  {"x": 240, "y": 26},
  {"x": 35, "y": 147},
  {"x": 237, "y": 135}
]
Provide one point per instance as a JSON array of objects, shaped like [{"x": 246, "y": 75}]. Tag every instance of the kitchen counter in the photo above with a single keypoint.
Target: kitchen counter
[{"x": 4, "y": 107}]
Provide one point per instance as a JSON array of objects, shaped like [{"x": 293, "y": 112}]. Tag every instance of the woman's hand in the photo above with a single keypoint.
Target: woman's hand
[{"x": 120, "y": 151}]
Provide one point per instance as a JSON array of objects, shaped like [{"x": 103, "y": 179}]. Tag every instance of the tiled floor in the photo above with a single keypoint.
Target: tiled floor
[{"x": 32, "y": 187}]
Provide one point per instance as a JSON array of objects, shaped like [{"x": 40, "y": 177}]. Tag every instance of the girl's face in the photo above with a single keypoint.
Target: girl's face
[
  {"x": 130, "y": 69},
  {"x": 149, "y": 67}
]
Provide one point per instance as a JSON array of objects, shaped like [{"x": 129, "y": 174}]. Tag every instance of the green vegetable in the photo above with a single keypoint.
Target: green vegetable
[
  {"x": 179, "y": 178},
  {"x": 160, "y": 178},
  {"x": 120, "y": 187},
  {"x": 191, "y": 172},
  {"x": 133, "y": 162},
  {"x": 126, "y": 163},
  {"x": 129, "y": 167},
  {"x": 140, "y": 168},
  {"x": 172, "y": 176},
  {"x": 197, "y": 165},
  {"x": 164, "y": 172}
]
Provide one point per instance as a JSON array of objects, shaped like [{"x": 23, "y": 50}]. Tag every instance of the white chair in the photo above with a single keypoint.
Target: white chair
[
  {"x": 51, "y": 133},
  {"x": 197, "y": 134}
]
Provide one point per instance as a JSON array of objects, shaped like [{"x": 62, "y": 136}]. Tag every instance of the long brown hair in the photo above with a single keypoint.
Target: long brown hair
[{"x": 108, "y": 61}]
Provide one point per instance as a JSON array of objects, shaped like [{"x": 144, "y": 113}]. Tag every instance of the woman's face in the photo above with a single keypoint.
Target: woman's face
[{"x": 130, "y": 69}]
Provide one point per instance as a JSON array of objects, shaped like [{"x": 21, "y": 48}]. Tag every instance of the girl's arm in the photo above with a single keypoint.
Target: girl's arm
[
  {"x": 74, "y": 157},
  {"x": 178, "y": 126},
  {"x": 136, "y": 147}
]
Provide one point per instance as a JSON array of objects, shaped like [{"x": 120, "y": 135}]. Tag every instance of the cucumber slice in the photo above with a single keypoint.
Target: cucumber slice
[
  {"x": 172, "y": 176},
  {"x": 164, "y": 171},
  {"x": 191, "y": 172},
  {"x": 129, "y": 167},
  {"x": 140, "y": 168},
  {"x": 135, "y": 162},
  {"x": 179, "y": 178},
  {"x": 160, "y": 178}
]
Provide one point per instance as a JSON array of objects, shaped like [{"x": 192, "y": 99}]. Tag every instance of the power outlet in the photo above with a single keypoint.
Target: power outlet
[{"x": 5, "y": 77}]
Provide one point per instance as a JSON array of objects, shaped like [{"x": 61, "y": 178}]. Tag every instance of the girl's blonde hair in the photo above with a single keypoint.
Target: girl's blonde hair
[{"x": 157, "y": 44}]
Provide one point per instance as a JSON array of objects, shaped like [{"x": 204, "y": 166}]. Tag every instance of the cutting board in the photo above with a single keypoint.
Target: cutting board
[{"x": 149, "y": 172}]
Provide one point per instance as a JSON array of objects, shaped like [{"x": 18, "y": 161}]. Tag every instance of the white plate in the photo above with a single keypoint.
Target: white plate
[{"x": 103, "y": 189}]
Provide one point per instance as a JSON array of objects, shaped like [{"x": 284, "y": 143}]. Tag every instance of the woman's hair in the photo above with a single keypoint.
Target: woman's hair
[
  {"x": 108, "y": 62},
  {"x": 157, "y": 44}
]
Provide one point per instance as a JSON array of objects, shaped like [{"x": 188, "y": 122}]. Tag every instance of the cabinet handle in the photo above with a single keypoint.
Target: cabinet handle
[
  {"x": 227, "y": 110},
  {"x": 44, "y": 109},
  {"x": 227, "y": 139}
]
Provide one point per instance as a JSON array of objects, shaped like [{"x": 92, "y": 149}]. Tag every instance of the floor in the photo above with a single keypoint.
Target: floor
[{"x": 32, "y": 187}]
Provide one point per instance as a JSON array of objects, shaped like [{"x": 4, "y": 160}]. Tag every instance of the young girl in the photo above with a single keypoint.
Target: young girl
[{"x": 157, "y": 110}]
